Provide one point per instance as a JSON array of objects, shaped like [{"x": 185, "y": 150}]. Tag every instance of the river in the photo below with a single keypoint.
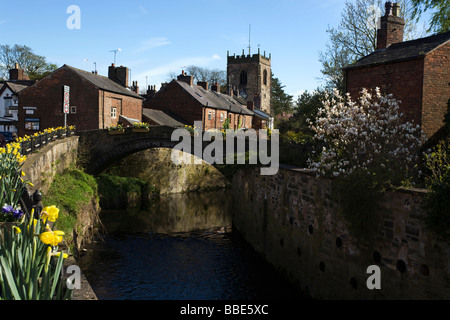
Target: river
[{"x": 181, "y": 247}]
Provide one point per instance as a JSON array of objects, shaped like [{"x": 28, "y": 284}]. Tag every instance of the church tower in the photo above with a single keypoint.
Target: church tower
[{"x": 249, "y": 77}]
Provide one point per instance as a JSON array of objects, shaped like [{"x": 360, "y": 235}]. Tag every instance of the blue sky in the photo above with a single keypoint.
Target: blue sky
[{"x": 159, "y": 37}]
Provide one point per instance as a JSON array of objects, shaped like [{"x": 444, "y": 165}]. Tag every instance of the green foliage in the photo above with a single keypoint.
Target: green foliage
[
  {"x": 437, "y": 205},
  {"x": 28, "y": 268},
  {"x": 437, "y": 200},
  {"x": 114, "y": 190},
  {"x": 281, "y": 102},
  {"x": 35, "y": 66},
  {"x": 440, "y": 19},
  {"x": 70, "y": 191}
]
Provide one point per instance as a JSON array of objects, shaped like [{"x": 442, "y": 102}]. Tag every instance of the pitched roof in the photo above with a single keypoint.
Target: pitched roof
[
  {"x": 215, "y": 100},
  {"x": 14, "y": 87},
  {"x": 103, "y": 83},
  {"x": 402, "y": 51},
  {"x": 162, "y": 117}
]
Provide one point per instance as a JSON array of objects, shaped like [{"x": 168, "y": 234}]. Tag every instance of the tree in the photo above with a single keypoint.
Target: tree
[
  {"x": 440, "y": 19},
  {"x": 367, "y": 135},
  {"x": 281, "y": 102},
  {"x": 204, "y": 74},
  {"x": 355, "y": 37},
  {"x": 35, "y": 66}
]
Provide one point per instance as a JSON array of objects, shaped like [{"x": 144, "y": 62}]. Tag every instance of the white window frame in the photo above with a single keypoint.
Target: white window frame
[{"x": 113, "y": 112}]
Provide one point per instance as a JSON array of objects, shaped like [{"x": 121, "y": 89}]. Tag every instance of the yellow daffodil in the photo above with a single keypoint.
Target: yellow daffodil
[
  {"x": 17, "y": 230},
  {"x": 50, "y": 213},
  {"x": 51, "y": 237},
  {"x": 58, "y": 254}
]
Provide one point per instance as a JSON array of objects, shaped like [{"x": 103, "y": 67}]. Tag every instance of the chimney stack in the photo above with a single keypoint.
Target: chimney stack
[
  {"x": 392, "y": 27},
  {"x": 215, "y": 87},
  {"x": 203, "y": 84},
  {"x": 119, "y": 75},
  {"x": 135, "y": 87},
  {"x": 17, "y": 74},
  {"x": 151, "y": 90},
  {"x": 250, "y": 105},
  {"x": 185, "y": 78}
]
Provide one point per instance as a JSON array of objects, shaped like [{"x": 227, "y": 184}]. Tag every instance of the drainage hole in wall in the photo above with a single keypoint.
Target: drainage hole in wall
[
  {"x": 401, "y": 266},
  {"x": 353, "y": 283},
  {"x": 310, "y": 229},
  {"x": 338, "y": 242},
  {"x": 377, "y": 257},
  {"x": 322, "y": 266}
]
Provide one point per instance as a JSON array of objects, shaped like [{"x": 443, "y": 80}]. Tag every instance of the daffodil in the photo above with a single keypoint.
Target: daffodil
[
  {"x": 51, "y": 237},
  {"x": 17, "y": 230},
  {"x": 58, "y": 254},
  {"x": 50, "y": 213}
]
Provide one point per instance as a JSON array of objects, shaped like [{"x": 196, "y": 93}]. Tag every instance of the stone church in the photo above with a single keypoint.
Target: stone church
[{"x": 249, "y": 78}]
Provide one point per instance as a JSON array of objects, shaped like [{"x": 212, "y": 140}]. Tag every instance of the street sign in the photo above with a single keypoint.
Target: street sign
[{"x": 66, "y": 100}]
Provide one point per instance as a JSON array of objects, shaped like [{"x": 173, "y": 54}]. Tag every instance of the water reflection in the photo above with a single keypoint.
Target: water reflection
[
  {"x": 181, "y": 248},
  {"x": 173, "y": 213}
]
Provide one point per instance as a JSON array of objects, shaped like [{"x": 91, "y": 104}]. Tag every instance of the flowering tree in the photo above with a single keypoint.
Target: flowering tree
[
  {"x": 367, "y": 147},
  {"x": 367, "y": 135}
]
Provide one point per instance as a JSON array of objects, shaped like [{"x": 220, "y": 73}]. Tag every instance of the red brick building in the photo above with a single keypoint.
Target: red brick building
[
  {"x": 96, "y": 102},
  {"x": 189, "y": 103},
  {"x": 416, "y": 72}
]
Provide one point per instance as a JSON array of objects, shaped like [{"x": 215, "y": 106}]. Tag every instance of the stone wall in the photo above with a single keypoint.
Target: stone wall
[
  {"x": 42, "y": 165},
  {"x": 156, "y": 167},
  {"x": 290, "y": 219}
]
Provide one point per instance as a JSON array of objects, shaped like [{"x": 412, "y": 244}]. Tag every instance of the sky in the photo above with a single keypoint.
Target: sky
[{"x": 157, "y": 38}]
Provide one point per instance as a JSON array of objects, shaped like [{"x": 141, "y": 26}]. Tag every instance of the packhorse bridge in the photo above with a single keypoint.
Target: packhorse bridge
[{"x": 102, "y": 148}]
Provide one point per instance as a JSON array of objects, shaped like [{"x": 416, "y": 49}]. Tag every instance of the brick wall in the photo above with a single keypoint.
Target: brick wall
[
  {"x": 46, "y": 97},
  {"x": 436, "y": 88},
  {"x": 177, "y": 101},
  {"x": 43, "y": 101},
  {"x": 402, "y": 79}
]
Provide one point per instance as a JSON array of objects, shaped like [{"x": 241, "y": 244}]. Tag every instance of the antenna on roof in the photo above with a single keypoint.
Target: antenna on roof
[
  {"x": 249, "y": 39},
  {"x": 115, "y": 53}
]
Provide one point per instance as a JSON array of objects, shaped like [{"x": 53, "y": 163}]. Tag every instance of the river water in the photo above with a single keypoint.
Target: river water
[{"x": 181, "y": 247}]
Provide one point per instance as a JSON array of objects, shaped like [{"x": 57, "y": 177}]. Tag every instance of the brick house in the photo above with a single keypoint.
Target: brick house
[
  {"x": 187, "y": 103},
  {"x": 9, "y": 90},
  {"x": 96, "y": 102},
  {"x": 416, "y": 72}
]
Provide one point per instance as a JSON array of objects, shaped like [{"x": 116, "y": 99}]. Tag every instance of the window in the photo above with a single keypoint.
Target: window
[
  {"x": 8, "y": 105},
  {"x": 221, "y": 117},
  {"x": 243, "y": 78},
  {"x": 113, "y": 113},
  {"x": 209, "y": 115},
  {"x": 73, "y": 109},
  {"x": 265, "y": 77},
  {"x": 32, "y": 124}
]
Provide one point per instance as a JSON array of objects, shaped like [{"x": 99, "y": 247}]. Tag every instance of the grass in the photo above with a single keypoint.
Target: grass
[{"x": 70, "y": 192}]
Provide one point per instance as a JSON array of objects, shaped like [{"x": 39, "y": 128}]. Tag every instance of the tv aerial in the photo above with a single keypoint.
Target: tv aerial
[{"x": 115, "y": 53}]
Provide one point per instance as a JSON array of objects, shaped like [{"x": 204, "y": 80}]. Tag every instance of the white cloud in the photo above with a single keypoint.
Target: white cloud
[{"x": 152, "y": 43}]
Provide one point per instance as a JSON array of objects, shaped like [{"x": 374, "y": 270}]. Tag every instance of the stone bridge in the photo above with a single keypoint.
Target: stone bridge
[{"x": 98, "y": 149}]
